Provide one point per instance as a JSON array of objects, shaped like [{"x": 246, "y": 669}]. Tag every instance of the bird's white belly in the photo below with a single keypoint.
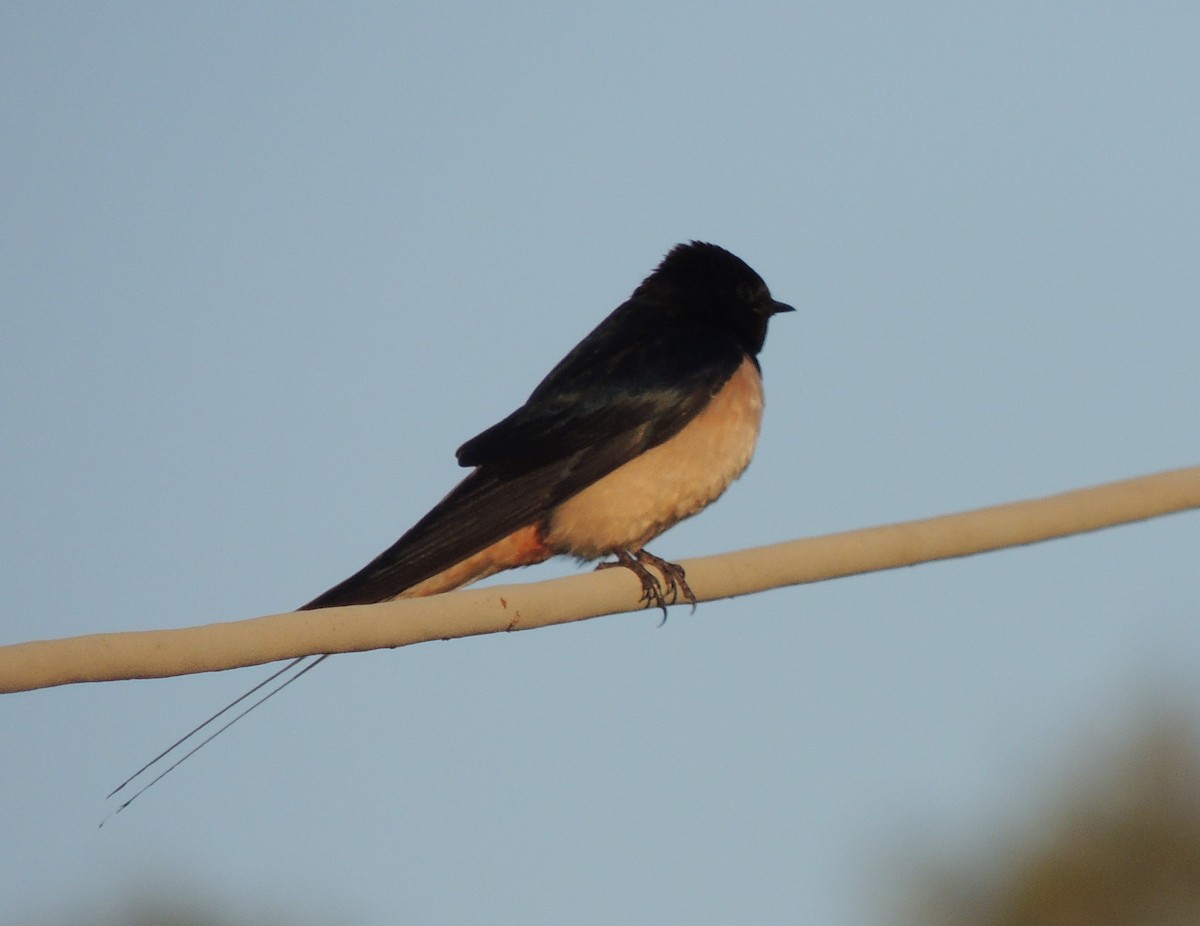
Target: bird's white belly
[{"x": 639, "y": 500}]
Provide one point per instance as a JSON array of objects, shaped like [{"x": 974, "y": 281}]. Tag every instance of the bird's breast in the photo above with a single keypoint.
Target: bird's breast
[{"x": 642, "y": 498}]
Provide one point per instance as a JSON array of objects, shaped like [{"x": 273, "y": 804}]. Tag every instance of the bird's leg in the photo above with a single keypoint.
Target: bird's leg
[
  {"x": 652, "y": 592},
  {"x": 673, "y": 574}
]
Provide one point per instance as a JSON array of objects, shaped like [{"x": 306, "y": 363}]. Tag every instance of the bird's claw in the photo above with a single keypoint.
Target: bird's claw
[{"x": 654, "y": 591}]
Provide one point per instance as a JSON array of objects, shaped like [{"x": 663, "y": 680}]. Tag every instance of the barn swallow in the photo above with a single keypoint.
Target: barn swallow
[
  {"x": 647, "y": 421},
  {"x": 644, "y": 423}
]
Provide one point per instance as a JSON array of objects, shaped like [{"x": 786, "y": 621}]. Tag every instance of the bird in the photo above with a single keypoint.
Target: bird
[{"x": 644, "y": 423}]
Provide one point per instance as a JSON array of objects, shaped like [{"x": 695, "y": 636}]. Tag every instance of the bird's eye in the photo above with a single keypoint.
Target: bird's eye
[{"x": 751, "y": 292}]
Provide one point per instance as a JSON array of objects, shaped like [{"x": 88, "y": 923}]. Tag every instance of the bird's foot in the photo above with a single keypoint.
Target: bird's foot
[
  {"x": 652, "y": 590},
  {"x": 673, "y": 575},
  {"x": 655, "y": 592}
]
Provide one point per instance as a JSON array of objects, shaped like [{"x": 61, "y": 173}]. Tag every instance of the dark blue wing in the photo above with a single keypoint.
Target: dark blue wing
[
  {"x": 640, "y": 366},
  {"x": 634, "y": 382}
]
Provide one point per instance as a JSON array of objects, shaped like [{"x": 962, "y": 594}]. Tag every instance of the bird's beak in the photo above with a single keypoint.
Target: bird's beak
[{"x": 777, "y": 307}]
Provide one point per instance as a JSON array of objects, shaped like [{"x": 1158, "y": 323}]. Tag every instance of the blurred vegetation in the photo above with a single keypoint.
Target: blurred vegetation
[
  {"x": 1123, "y": 850},
  {"x": 177, "y": 906}
]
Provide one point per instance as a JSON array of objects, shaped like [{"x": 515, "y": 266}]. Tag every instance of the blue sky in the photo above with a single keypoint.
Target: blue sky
[{"x": 264, "y": 267}]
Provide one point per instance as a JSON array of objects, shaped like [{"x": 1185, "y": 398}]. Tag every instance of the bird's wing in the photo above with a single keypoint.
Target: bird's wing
[{"x": 622, "y": 391}]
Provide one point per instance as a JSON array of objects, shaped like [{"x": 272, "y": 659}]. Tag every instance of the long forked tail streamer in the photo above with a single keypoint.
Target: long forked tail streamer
[{"x": 208, "y": 739}]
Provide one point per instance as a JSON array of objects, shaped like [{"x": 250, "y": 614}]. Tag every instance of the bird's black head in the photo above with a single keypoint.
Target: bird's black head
[{"x": 706, "y": 283}]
